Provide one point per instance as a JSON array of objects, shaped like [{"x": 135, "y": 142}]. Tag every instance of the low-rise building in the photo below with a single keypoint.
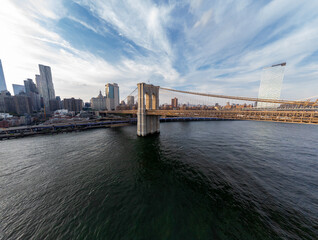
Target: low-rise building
[
  {"x": 174, "y": 103},
  {"x": 98, "y": 103},
  {"x": 72, "y": 104},
  {"x": 22, "y": 104}
]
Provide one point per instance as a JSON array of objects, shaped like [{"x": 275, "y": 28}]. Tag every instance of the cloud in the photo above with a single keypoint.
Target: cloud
[
  {"x": 51, "y": 9},
  {"x": 205, "y": 19},
  {"x": 243, "y": 37},
  {"x": 211, "y": 46},
  {"x": 26, "y": 44},
  {"x": 76, "y": 72},
  {"x": 141, "y": 21}
]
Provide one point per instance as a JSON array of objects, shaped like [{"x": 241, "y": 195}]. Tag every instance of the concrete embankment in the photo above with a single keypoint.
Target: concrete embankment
[{"x": 24, "y": 131}]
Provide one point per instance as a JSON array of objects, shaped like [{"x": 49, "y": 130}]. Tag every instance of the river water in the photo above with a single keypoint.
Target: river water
[{"x": 196, "y": 180}]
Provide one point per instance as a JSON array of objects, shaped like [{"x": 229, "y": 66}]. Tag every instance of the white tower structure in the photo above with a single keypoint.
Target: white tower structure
[{"x": 271, "y": 84}]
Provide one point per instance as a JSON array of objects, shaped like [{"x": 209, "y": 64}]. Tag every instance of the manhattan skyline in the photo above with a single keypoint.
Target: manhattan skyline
[{"x": 206, "y": 46}]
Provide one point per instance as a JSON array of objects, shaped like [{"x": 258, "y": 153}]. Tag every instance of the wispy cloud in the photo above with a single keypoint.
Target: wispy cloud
[{"x": 212, "y": 46}]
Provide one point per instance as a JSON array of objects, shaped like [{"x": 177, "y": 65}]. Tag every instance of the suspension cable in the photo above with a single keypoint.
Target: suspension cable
[{"x": 239, "y": 98}]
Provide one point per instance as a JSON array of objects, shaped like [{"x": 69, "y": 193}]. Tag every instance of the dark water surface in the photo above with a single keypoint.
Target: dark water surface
[{"x": 196, "y": 180}]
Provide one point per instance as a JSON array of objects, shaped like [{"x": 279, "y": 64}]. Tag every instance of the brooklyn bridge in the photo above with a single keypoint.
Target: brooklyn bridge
[{"x": 149, "y": 111}]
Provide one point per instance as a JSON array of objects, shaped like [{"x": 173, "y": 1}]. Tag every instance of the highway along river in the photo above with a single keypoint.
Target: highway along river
[{"x": 196, "y": 180}]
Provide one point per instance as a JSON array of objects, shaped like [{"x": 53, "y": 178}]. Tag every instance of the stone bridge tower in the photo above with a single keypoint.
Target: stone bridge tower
[{"x": 148, "y": 99}]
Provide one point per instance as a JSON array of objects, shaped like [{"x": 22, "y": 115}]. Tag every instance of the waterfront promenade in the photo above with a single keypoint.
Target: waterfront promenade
[{"x": 24, "y": 131}]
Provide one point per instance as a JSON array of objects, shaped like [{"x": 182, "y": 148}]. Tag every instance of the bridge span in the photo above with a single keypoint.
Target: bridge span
[
  {"x": 148, "y": 112},
  {"x": 273, "y": 116}
]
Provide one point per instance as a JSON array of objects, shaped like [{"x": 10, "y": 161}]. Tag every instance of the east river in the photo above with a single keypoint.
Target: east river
[{"x": 196, "y": 180}]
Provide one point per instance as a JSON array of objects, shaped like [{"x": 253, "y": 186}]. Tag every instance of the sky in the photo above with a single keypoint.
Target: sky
[{"x": 212, "y": 46}]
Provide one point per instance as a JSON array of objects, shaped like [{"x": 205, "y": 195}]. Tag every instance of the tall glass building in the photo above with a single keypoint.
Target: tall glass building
[
  {"x": 32, "y": 92},
  {"x": 45, "y": 86},
  {"x": 17, "y": 89},
  {"x": 271, "y": 85},
  {"x": 3, "y": 86},
  {"x": 112, "y": 96}
]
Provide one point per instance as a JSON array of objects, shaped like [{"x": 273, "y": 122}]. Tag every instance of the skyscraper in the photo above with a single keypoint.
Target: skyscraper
[
  {"x": 17, "y": 89},
  {"x": 112, "y": 96},
  {"x": 271, "y": 84},
  {"x": 3, "y": 86},
  {"x": 6, "y": 102},
  {"x": 45, "y": 86},
  {"x": 30, "y": 86},
  {"x": 32, "y": 92},
  {"x": 130, "y": 100}
]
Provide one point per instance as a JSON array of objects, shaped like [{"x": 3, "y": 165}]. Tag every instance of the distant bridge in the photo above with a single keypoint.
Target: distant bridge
[{"x": 148, "y": 113}]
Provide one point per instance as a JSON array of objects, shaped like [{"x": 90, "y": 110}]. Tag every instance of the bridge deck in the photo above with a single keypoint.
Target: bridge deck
[{"x": 273, "y": 116}]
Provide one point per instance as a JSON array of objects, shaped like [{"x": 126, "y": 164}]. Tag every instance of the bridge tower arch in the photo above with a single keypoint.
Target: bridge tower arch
[{"x": 148, "y": 98}]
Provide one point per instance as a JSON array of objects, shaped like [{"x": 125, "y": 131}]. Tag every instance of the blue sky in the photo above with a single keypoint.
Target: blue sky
[{"x": 208, "y": 46}]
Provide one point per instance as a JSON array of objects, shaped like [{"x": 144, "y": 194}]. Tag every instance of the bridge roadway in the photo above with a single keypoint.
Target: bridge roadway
[{"x": 309, "y": 117}]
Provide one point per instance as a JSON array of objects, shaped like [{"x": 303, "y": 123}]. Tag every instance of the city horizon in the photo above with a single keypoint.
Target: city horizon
[{"x": 16, "y": 86}]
